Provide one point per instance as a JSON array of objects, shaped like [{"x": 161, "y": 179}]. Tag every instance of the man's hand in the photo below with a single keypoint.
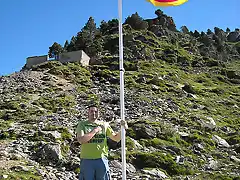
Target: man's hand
[
  {"x": 124, "y": 123},
  {"x": 84, "y": 138},
  {"x": 117, "y": 136},
  {"x": 97, "y": 129}
]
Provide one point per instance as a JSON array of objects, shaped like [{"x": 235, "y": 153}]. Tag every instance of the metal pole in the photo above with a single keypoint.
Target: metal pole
[{"x": 123, "y": 139}]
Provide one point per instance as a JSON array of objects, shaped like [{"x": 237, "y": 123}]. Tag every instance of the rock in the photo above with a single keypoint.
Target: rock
[
  {"x": 226, "y": 129},
  {"x": 136, "y": 144},
  {"x": 156, "y": 173},
  {"x": 234, "y": 158},
  {"x": 208, "y": 124},
  {"x": 146, "y": 176},
  {"x": 211, "y": 121},
  {"x": 221, "y": 142},
  {"x": 52, "y": 176},
  {"x": 130, "y": 168},
  {"x": 76, "y": 159},
  {"x": 212, "y": 165},
  {"x": 183, "y": 134},
  {"x": 50, "y": 152},
  {"x": 59, "y": 175},
  {"x": 198, "y": 147},
  {"x": 20, "y": 168},
  {"x": 4, "y": 176},
  {"x": 146, "y": 131},
  {"x": 155, "y": 87},
  {"x": 233, "y": 36},
  {"x": 180, "y": 160},
  {"x": 115, "y": 164}
]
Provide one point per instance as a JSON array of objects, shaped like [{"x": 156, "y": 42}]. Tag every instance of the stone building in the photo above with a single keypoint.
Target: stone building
[
  {"x": 34, "y": 60},
  {"x": 74, "y": 56}
]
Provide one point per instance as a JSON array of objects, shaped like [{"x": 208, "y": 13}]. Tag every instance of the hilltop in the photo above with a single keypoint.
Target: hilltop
[{"x": 182, "y": 99}]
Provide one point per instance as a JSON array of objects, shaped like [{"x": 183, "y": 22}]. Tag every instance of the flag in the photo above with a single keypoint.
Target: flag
[{"x": 167, "y": 2}]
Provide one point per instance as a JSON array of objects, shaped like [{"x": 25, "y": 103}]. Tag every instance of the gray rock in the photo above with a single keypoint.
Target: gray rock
[
  {"x": 115, "y": 164},
  {"x": 183, "y": 134},
  {"x": 180, "y": 159},
  {"x": 146, "y": 131},
  {"x": 210, "y": 124},
  {"x": 211, "y": 121},
  {"x": 221, "y": 142},
  {"x": 212, "y": 165},
  {"x": 130, "y": 168},
  {"x": 20, "y": 168},
  {"x": 198, "y": 147},
  {"x": 234, "y": 158},
  {"x": 156, "y": 173},
  {"x": 233, "y": 36},
  {"x": 136, "y": 144},
  {"x": 51, "y": 152}
]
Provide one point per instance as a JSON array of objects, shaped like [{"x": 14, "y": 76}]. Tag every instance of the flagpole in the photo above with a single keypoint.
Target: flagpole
[{"x": 121, "y": 68}]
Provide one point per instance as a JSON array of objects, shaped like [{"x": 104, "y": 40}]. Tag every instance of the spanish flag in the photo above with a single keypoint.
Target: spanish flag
[{"x": 167, "y": 2}]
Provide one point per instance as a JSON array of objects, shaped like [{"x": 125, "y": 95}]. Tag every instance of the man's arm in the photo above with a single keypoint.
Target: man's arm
[
  {"x": 84, "y": 138},
  {"x": 117, "y": 136}
]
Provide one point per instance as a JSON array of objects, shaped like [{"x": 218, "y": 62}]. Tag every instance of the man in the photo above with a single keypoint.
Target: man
[{"x": 92, "y": 135}]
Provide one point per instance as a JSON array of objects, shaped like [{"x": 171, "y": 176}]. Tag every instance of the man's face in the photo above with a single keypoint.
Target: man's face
[{"x": 92, "y": 113}]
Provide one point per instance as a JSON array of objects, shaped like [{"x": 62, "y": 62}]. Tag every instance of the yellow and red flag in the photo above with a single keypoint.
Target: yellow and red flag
[{"x": 167, "y": 2}]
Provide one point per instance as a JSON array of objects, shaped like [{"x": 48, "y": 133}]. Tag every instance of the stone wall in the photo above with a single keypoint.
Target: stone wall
[
  {"x": 75, "y": 56},
  {"x": 35, "y": 60}
]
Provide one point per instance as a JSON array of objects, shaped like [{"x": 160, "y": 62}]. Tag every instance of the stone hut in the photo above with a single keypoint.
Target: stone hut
[
  {"x": 34, "y": 60},
  {"x": 74, "y": 56}
]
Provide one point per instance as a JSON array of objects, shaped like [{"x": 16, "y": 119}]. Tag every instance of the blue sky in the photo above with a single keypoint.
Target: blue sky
[{"x": 29, "y": 27}]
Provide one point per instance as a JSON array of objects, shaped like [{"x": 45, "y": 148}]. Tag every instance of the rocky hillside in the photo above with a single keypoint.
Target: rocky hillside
[{"x": 182, "y": 99}]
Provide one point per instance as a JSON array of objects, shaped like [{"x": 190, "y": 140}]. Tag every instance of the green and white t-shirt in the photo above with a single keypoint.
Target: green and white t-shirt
[{"x": 97, "y": 146}]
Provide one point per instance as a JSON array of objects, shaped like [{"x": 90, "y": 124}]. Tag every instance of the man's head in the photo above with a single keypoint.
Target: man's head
[{"x": 93, "y": 113}]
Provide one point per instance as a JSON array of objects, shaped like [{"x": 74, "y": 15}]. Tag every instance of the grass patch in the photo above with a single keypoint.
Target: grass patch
[
  {"x": 54, "y": 104},
  {"x": 160, "y": 160},
  {"x": 23, "y": 175}
]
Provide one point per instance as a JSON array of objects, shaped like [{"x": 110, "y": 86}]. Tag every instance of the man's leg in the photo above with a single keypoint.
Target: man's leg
[
  {"x": 102, "y": 171},
  {"x": 87, "y": 170}
]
